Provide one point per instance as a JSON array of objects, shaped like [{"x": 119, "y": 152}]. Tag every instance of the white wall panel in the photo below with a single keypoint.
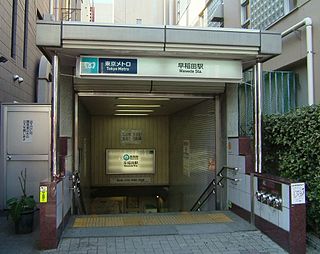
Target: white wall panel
[
  {"x": 285, "y": 195},
  {"x": 284, "y": 219}
]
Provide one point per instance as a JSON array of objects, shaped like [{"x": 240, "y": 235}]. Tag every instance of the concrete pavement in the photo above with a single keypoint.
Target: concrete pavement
[
  {"x": 185, "y": 239},
  {"x": 228, "y": 243}
]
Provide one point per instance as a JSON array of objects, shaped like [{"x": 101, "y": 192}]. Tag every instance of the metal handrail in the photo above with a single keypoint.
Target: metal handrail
[
  {"x": 227, "y": 167},
  {"x": 198, "y": 202},
  {"x": 226, "y": 177}
]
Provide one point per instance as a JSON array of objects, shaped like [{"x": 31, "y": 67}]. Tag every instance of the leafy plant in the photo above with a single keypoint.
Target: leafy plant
[
  {"x": 291, "y": 149},
  {"x": 25, "y": 203}
]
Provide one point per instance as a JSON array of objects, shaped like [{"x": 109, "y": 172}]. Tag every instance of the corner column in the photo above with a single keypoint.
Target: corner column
[
  {"x": 49, "y": 217},
  {"x": 258, "y": 74}
]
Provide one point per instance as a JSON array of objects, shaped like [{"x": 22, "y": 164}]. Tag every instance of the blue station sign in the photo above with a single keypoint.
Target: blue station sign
[
  {"x": 104, "y": 65},
  {"x": 118, "y": 66}
]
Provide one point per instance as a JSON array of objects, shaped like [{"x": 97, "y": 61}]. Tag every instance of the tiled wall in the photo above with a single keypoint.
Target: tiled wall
[
  {"x": 240, "y": 193},
  {"x": 275, "y": 216},
  {"x": 59, "y": 203}
]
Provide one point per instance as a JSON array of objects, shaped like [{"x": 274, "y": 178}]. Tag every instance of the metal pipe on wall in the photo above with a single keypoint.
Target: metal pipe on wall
[
  {"x": 258, "y": 74},
  {"x": 218, "y": 149},
  {"x": 56, "y": 9},
  {"x": 260, "y": 98},
  {"x": 165, "y": 12},
  {"x": 76, "y": 132},
  {"x": 75, "y": 143},
  {"x": 255, "y": 73},
  {"x": 307, "y": 22},
  {"x": 51, "y": 8},
  {"x": 171, "y": 12},
  {"x": 54, "y": 116},
  {"x": 310, "y": 64}
]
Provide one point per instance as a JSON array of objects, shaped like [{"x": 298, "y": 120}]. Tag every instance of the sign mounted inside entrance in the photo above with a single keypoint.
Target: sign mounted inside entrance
[
  {"x": 130, "y": 180},
  {"x": 131, "y": 136},
  {"x": 160, "y": 67},
  {"x": 127, "y": 161}
]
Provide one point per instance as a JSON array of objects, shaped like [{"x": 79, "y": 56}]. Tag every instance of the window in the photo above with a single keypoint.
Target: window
[
  {"x": 25, "y": 36},
  {"x": 245, "y": 13},
  {"x": 182, "y": 6},
  {"x": 14, "y": 28},
  {"x": 293, "y": 4},
  {"x": 263, "y": 14},
  {"x": 215, "y": 15},
  {"x": 279, "y": 96}
]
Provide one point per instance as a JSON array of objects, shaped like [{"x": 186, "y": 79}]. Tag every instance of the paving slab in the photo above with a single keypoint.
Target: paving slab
[{"x": 239, "y": 238}]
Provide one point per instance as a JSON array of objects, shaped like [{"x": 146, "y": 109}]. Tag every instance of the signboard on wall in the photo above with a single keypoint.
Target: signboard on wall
[
  {"x": 118, "y": 65},
  {"x": 135, "y": 180},
  {"x": 130, "y": 161},
  {"x": 27, "y": 131},
  {"x": 131, "y": 136},
  {"x": 160, "y": 67},
  {"x": 298, "y": 193}
]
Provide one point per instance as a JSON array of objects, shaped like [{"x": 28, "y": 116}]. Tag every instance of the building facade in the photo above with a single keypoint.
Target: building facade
[
  {"x": 276, "y": 16},
  {"x": 125, "y": 12},
  {"x": 297, "y": 47},
  {"x": 18, "y": 51},
  {"x": 212, "y": 13},
  {"x": 138, "y": 92},
  {"x": 87, "y": 11}
]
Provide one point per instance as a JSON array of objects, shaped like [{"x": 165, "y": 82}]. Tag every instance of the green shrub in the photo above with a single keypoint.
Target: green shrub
[{"x": 291, "y": 149}]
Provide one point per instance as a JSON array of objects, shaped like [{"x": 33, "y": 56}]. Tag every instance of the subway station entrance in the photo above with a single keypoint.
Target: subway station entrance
[
  {"x": 146, "y": 132},
  {"x": 146, "y": 153},
  {"x": 141, "y": 118}
]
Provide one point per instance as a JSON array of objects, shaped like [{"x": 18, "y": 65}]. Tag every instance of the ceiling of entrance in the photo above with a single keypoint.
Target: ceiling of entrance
[{"x": 137, "y": 106}]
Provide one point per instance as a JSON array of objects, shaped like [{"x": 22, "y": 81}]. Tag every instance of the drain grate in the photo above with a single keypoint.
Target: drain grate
[{"x": 145, "y": 219}]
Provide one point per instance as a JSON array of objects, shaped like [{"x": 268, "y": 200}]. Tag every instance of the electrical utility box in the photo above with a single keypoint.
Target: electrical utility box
[{"x": 25, "y": 145}]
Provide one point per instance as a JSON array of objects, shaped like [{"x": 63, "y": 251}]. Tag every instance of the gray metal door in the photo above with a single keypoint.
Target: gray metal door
[{"x": 26, "y": 145}]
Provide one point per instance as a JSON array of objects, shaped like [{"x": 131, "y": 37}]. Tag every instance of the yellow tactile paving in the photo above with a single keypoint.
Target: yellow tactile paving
[
  {"x": 220, "y": 217},
  {"x": 148, "y": 219}
]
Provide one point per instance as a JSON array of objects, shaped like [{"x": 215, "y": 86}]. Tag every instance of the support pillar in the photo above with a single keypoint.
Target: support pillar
[
  {"x": 49, "y": 237},
  {"x": 258, "y": 74},
  {"x": 50, "y": 218}
]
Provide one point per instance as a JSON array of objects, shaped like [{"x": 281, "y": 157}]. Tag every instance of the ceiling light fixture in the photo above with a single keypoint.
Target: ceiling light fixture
[
  {"x": 135, "y": 110},
  {"x": 131, "y": 114},
  {"x": 145, "y": 98},
  {"x": 138, "y": 105}
]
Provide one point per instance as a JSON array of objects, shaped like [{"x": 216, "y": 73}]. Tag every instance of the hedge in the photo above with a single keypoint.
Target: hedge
[{"x": 291, "y": 149}]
